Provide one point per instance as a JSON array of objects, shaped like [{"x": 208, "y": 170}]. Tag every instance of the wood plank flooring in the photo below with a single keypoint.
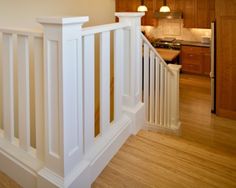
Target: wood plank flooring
[
  {"x": 6, "y": 182},
  {"x": 203, "y": 156},
  {"x": 198, "y": 124}
]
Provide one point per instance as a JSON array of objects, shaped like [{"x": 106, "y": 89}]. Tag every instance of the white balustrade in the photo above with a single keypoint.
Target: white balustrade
[
  {"x": 64, "y": 85},
  {"x": 16, "y": 90},
  {"x": 161, "y": 91}
]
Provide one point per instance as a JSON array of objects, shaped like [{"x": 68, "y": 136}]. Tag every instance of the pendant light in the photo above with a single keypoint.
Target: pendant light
[
  {"x": 142, "y": 7},
  {"x": 164, "y": 8}
]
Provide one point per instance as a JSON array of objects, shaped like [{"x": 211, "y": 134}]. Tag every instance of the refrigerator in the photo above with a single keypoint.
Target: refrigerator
[{"x": 213, "y": 67}]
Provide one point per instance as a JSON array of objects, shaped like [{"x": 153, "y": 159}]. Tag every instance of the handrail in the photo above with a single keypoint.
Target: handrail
[
  {"x": 21, "y": 31},
  {"x": 155, "y": 52},
  {"x": 103, "y": 28}
]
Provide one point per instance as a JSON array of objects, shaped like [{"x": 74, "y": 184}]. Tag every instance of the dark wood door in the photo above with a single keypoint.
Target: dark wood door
[{"x": 226, "y": 58}]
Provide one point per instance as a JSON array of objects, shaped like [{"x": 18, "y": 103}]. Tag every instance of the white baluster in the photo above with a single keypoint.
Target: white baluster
[
  {"x": 157, "y": 93},
  {"x": 39, "y": 96},
  {"x": 165, "y": 97},
  {"x": 162, "y": 87},
  {"x": 104, "y": 81},
  {"x": 118, "y": 66},
  {"x": 152, "y": 99},
  {"x": 146, "y": 81},
  {"x": 23, "y": 92},
  {"x": 89, "y": 89},
  {"x": 8, "y": 86},
  {"x": 169, "y": 99}
]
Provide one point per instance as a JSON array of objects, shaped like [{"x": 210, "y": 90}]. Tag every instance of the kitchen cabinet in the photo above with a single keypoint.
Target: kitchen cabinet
[
  {"x": 196, "y": 60},
  {"x": 189, "y": 13},
  {"x": 149, "y": 18},
  {"x": 127, "y": 6},
  {"x": 198, "y": 13}
]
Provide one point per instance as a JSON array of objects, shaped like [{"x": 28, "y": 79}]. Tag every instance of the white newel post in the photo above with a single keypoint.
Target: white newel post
[
  {"x": 175, "y": 121},
  {"x": 63, "y": 98},
  {"x": 133, "y": 69}
]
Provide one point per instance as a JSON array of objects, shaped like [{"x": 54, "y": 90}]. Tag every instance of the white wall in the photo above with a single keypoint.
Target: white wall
[{"x": 22, "y": 13}]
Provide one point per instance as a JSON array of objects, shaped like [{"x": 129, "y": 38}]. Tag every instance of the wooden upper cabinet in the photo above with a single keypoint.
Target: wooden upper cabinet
[
  {"x": 189, "y": 13},
  {"x": 149, "y": 18},
  {"x": 208, "y": 12},
  {"x": 127, "y": 6},
  {"x": 203, "y": 19},
  {"x": 198, "y": 13},
  {"x": 212, "y": 10}
]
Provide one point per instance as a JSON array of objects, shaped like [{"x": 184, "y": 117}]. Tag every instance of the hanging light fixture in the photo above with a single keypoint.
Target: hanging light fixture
[
  {"x": 164, "y": 8},
  {"x": 142, "y": 7}
]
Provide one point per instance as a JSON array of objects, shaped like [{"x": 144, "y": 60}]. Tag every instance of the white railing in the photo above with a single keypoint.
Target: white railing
[
  {"x": 48, "y": 91},
  {"x": 21, "y": 75},
  {"x": 161, "y": 91},
  {"x": 48, "y": 96}
]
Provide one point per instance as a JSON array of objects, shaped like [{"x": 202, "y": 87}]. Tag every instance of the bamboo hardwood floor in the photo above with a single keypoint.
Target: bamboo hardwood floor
[
  {"x": 6, "y": 182},
  {"x": 203, "y": 156}
]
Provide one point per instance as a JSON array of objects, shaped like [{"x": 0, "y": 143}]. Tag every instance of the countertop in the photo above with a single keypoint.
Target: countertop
[
  {"x": 192, "y": 43},
  {"x": 168, "y": 54}
]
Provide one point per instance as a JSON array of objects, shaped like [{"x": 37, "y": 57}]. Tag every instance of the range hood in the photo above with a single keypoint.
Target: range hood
[{"x": 168, "y": 15}]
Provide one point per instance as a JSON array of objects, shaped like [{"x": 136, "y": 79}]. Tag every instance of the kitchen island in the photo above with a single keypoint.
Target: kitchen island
[{"x": 169, "y": 55}]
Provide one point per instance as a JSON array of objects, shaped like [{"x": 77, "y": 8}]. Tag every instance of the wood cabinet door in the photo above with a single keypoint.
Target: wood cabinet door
[
  {"x": 175, "y": 5},
  {"x": 192, "y": 59},
  {"x": 212, "y": 10},
  {"x": 226, "y": 58},
  {"x": 149, "y": 18},
  {"x": 189, "y": 11},
  {"x": 203, "y": 14},
  {"x": 127, "y": 6}
]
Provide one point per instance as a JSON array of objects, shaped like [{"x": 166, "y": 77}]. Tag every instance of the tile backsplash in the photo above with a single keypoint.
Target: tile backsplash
[{"x": 174, "y": 28}]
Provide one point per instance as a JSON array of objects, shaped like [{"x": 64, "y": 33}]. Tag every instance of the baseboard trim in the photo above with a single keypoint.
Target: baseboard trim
[
  {"x": 137, "y": 116},
  {"x": 114, "y": 143},
  {"x": 25, "y": 173},
  {"x": 85, "y": 173},
  {"x": 157, "y": 128}
]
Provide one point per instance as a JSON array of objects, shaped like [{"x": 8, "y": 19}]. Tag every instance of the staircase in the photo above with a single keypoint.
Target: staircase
[{"x": 161, "y": 91}]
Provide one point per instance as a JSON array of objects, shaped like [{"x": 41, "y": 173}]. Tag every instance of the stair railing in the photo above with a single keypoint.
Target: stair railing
[{"x": 161, "y": 91}]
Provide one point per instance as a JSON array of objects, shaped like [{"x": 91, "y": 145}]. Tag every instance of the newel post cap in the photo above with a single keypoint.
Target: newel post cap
[
  {"x": 63, "y": 20},
  {"x": 174, "y": 67},
  {"x": 129, "y": 14}
]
